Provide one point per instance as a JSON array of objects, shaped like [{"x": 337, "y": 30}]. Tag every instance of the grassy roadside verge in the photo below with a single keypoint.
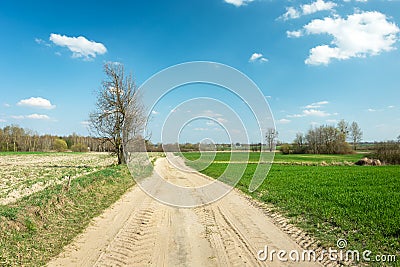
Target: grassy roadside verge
[
  {"x": 359, "y": 204},
  {"x": 36, "y": 228}
]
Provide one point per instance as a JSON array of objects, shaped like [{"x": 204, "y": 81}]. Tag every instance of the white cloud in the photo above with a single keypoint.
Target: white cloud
[
  {"x": 36, "y": 102},
  {"x": 359, "y": 35},
  {"x": 316, "y": 105},
  {"x": 391, "y": 106},
  {"x": 371, "y": 110},
  {"x": 307, "y": 9},
  {"x": 294, "y": 34},
  {"x": 317, "y": 6},
  {"x": 284, "y": 121},
  {"x": 257, "y": 57},
  {"x": 79, "y": 46},
  {"x": 296, "y": 116},
  {"x": 311, "y": 113},
  {"x": 238, "y": 2},
  {"x": 85, "y": 123},
  {"x": 154, "y": 112},
  {"x": 315, "y": 113},
  {"x": 6, "y": 105},
  {"x": 291, "y": 13},
  {"x": 2, "y": 120},
  {"x": 38, "y": 117}
]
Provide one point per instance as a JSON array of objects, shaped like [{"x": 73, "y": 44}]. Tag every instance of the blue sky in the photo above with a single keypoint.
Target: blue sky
[{"x": 315, "y": 61}]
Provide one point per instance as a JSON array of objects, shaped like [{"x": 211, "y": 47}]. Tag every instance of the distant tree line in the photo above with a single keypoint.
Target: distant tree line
[
  {"x": 326, "y": 139},
  {"x": 14, "y": 138},
  {"x": 388, "y": 152}
]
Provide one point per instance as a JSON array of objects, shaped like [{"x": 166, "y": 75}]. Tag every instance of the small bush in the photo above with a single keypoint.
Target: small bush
[
  {"x": 60, "y": 145},
  {"x": 79, "y": 148},
  {"x": 388, "y": 152},
  {"x": 285, "y": 149}
]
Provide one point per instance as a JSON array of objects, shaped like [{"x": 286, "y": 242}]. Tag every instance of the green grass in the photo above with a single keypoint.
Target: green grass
[
  {"x": 279, "y": 158},
  {"x": 35, "y": 229},
  {"x": 360, "y": 204}
]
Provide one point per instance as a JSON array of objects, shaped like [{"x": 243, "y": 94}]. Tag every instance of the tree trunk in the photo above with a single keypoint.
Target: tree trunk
[{"x": 121, "y": 157}]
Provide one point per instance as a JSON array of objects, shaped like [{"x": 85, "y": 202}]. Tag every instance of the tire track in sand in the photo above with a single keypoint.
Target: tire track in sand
[{"x": 139, "y": 231}]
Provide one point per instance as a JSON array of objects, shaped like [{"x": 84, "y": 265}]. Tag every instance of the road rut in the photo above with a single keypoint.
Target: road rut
[{"x": 140, "y": 231}]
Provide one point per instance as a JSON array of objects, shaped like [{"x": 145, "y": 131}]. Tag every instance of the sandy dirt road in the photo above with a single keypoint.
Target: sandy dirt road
[{"x": 140, "y": 231}]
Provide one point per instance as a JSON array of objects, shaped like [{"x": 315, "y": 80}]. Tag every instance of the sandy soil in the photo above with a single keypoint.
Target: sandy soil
[{"x": 140, "y": 231}]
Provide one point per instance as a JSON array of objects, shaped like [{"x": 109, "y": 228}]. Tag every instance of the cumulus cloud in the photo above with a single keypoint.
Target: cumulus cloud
[
  {"x": 315, "y": 112},
  {"x": 294, "y": 34},
  {"x": 316, "y": 104},
  {"x": 307, "y": 9},
  {"x": 317, "y": 6},
  {"x": 238, "y": 2},
  {"x": 291, "y": 13},
  {"x": 257, "y": 57},
  {"x": 36, "y": 102},
  {"x": 31, "y": 116},
  {"x": 38, "y": 117},
  {"x": 312, "y": 110},
  {"x": 358, "y": 35},
  {"x": 79, "y": 46}
]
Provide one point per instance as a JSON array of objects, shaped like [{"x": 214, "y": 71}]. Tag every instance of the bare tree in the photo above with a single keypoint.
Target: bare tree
[
  {"x": 118, "y": 113},
  {"x": 270, "y": 137},
  {"x": 299, "y": 143},
  {"x": 343, "y": 127},
  {"x": 355, "y": 134}
]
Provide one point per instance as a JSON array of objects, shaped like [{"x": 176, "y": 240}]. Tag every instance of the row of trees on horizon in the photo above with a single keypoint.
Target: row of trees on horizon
[{"x": 14, "y": 138}]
